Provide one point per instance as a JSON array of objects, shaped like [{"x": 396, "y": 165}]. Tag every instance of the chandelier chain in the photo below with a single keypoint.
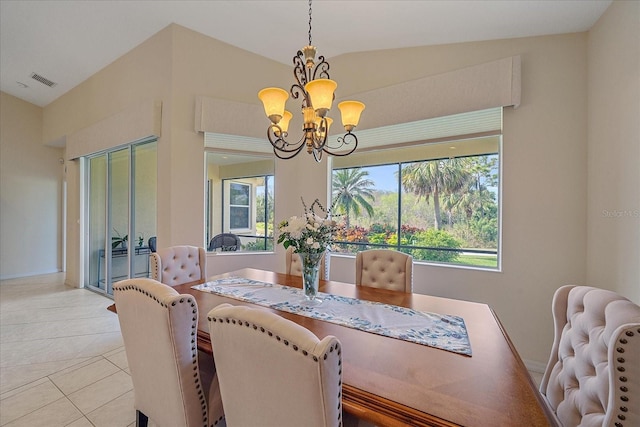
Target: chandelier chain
[{"x": 309, "y": 22}]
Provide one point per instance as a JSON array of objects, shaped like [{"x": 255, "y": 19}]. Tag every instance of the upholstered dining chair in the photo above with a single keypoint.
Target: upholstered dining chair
[
  {"x": 294, "y": 264},
  {"x": 158, "y": 327},
  {"x": 176, "y": 265},
  {"x": 593, "y": 374},
  {"x": 152, "y": 243},
  {"x": 384, "y": 268},
  {"x": 274, "y": 372}
]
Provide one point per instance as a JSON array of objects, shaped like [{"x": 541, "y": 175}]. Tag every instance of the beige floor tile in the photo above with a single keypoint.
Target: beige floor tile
[
  {"x": 101, "y": 392},
  {"x": 12, "y": 377},
  {"x": 81, "y": 422},
  {"x": 117, "y": 413},
  {"x": 58, "y": 329},
  {"x": 77, "y": 377},
  {"x": 112, "y": 352},
  {"x": 57, "y": 349},
  {"x": 119, "y": 359},
  {"x": 23, "y": 388},
  {"x": 38, "y": 315},
  {"x": 56, "y": 414},
  {"x": 27, "y": 399}
]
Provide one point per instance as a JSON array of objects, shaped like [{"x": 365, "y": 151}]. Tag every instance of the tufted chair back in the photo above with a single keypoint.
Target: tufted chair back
[
  {"x": 176, "y": 265},
  {"x": 274, "y": 372},
  {"x": 593, "y": 375},
  {"x": 294, "y": 264},
  {"x": 384, "y": 268},
  {"x": 158, "y": 328}
]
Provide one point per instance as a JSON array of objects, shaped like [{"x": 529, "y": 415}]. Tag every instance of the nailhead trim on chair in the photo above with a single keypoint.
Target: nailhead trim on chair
[
  {"x": 194, "y": 350},
  {"x": 295, "y": 348},
  {"x": 619, "y": 364}
]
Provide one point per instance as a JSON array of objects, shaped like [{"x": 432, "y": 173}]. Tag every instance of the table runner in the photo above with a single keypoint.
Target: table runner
[{"x": 441, "y": 331}]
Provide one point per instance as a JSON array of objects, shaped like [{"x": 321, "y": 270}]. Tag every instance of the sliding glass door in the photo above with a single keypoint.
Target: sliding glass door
[{"x": 120, "y": 214}]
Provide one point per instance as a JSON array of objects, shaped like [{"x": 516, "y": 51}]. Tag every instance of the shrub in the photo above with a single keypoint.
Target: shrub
[
  {"x": 258, "y": 245},
  {"x": 379, "y": 238},
  {"x": 436, "y": 239},
  {"x": 352, "y": 234}
]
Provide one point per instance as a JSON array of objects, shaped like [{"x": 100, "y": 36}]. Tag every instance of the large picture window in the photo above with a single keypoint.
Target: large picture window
[{"x": 437, "y": 209}]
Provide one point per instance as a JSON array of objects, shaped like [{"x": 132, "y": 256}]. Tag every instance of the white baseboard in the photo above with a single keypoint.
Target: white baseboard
[
  {"x": 535, "y": 366},
  {"x": 32, "y": 273}
]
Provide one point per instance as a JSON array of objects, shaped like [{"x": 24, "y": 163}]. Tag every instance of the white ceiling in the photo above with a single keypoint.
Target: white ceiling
[{"x": 68, "y": 41}]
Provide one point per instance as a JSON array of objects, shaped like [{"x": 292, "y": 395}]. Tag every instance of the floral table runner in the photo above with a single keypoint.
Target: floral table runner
[{"x": 441, "y": 331}]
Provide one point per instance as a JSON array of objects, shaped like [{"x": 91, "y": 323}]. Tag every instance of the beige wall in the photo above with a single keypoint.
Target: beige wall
[
  {"x": 543, "y": 180},
  {"x": 544, "y": 154},
  {"x": 613, "y": 210},
  {"x": 31, "y": 189}
]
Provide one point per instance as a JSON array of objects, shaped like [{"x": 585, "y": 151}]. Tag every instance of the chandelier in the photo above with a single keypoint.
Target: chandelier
[{"x": 316, "y": 91}]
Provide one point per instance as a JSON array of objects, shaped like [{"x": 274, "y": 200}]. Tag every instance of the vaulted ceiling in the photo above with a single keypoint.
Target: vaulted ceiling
[{"x": 65, "y": 42}]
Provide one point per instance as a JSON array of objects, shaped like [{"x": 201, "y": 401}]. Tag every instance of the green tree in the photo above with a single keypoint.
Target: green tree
[
  {"x": 352, "y": 192},
  {"x": 435, "y": 179},
  {"x": 475, "y": 206}
]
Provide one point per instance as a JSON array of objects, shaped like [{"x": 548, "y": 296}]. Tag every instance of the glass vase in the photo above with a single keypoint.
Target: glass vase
[{"x": 311, "y": 275}]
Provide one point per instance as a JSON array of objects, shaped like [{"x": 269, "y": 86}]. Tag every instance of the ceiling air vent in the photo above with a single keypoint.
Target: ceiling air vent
[{"x": 43, "y": 80}]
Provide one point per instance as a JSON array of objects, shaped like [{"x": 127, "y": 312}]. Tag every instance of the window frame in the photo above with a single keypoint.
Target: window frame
[
  {"x": 268, "y": 182},
  {"x": 246, "y": 207},
  {"x": 398, "y": 230}
]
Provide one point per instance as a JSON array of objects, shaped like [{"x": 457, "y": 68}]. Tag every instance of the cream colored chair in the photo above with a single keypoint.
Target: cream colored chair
[
  {"x": 383, "y": 268},
  {"x": 274, "y": 372},
  {"x": 176, "y": 265},
  {"x": 294, "y": 264},
  {"x": 593, "y": 375},
  {"x": 159, "y": 327}
]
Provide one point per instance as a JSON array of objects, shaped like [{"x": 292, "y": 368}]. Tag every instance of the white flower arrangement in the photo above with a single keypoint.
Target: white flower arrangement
[{"x": 311, "y": 233}]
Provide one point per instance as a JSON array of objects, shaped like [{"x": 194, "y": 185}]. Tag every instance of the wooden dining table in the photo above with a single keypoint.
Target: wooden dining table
[{"x": 392, "y": 382}]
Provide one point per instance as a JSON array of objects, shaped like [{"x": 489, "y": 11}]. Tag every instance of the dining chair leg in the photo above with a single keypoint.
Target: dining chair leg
[{"x": 141, "y": 419}]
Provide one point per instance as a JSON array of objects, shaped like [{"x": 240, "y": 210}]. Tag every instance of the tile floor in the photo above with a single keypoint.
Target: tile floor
[{"x": 62, "y": 360}]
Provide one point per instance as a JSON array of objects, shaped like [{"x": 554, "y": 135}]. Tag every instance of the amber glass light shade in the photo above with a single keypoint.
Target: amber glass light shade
[
  {"x": 321, "y": 93},
  {"x": 319, "y": 121},
  {"x": 284, "y": 122},
  {"x": 351, "y": 111},
  {"x": 273, "y": 100}
]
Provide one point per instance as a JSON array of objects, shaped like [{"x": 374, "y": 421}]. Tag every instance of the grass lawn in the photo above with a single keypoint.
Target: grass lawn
[{"x": 478, "y": 260}]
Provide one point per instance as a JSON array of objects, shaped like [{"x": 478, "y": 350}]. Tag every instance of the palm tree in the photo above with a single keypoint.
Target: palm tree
[
  {"x": 352, "y": 192},
  {"x": 475, "y": 197},
  {"x": 436, "y": 178}
]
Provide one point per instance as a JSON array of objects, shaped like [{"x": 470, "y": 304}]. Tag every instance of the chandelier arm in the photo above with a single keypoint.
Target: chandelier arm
[
  {"x": 299, "y": 69},
  {"x": 297, "y": 90},
  {"x": 321, "y": 69},
  {"x": 343, "y": 141},
  {"x": 320, "y": 139},
  {"x": 317, "y": 155},
  {"x": 281, "y": 144},
  {"x": 289, "y": 155},
  {"x": 281, "y": 147}
]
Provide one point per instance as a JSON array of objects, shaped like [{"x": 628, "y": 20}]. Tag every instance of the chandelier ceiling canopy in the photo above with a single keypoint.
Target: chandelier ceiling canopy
[{"x": 316, "y": 91}]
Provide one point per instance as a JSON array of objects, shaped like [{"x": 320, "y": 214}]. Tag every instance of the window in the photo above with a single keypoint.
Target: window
[
  {"x": 439, "y": 202},
  {"x": 239, "y": 196},
  {"x": 239, "y": 206},
  {"x": 249, "y": 211}
]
